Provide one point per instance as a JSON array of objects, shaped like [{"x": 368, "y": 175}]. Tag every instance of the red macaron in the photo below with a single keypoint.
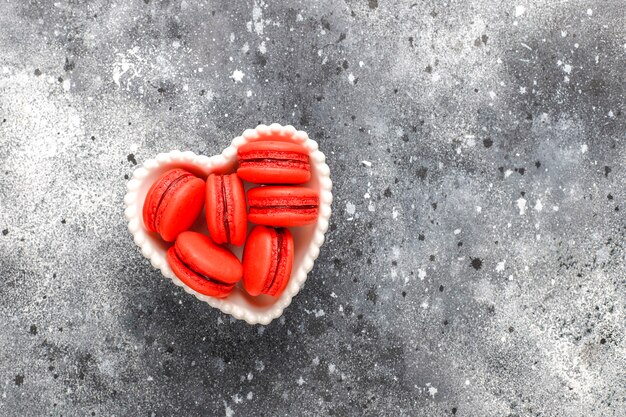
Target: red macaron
[
  {"x": 203, "y": 265},
  {"x": 273, "y": 162},
  {"x": 267, "y": 261},
  {"x": 173, "y": 203},
  {"x": 283, "y": 206},
  {"x": 226, "y": 209}
]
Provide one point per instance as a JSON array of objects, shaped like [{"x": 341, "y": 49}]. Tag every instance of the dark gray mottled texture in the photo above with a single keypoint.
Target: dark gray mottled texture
[{"x": 476, "y": 268}]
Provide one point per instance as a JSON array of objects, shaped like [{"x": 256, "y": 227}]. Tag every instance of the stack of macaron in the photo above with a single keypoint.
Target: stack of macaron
[{"x": 278, "y": 202}]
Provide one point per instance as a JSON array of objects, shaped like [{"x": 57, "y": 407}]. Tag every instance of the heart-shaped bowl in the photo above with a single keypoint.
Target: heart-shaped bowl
[{"x": 307, "y": 239}]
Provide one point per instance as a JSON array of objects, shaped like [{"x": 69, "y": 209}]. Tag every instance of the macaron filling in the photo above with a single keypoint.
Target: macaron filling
[
  {"x": 274, "y": 159},
  {"x": 200, "y": 274},
  {"x": 225, "y": 199},
  {"x": 275, "y": 163},
  {"x": 274, "y": 209},
  {"x": 268, "y": 155}
]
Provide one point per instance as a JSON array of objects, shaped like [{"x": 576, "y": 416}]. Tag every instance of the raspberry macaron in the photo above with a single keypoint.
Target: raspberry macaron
[
  {"x": 203, "y": 265},
  {"x": 283, "y": 206},
  {"x": 173, "y": 203},
  {"x": 226, "y": 209},
  {"x": 267, "y": 261},
  {"x": 273, "y": 162}
]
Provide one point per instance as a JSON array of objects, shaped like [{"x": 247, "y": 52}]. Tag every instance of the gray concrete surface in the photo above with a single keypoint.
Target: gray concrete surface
[{"x": 475, "y": 262}]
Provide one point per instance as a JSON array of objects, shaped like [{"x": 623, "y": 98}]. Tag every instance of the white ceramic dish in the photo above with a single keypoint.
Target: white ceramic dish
[{"x": 308, "y": 239}]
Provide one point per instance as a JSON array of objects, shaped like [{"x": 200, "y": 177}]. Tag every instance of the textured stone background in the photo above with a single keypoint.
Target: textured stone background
[{"x": 475, "y": 263}]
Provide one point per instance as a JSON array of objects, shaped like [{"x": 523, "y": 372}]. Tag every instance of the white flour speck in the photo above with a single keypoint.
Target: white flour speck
[
  {"x": 538, "y": 205},
  {"x": 457, "y": 231},
  {"x": 366, "y": 163},
  {"x": 300, "y": 381},
  {"x": 351, "y": 78},
  {"x": 567, "y": 68},
  {"x": 237, "y": 76},
  {"x": 331, "y": 368},
  {"x": 589, "y": 12},
  {"x": 507, "y": 173},
  {"x": 257, "y": 16},
  {"x": 432, "y": 391},
  {"x": 500, "y": 266},
  {"x": 350, "y": 208},
  {"x": 521, "y": 204},
  {"x": 584, "y": 148},
  {"x": 262, "y": 48},
  {"x": 229, "y": 411},
  {"x": 394, "y": 213},
  {"x": 67, "y": 85},
  {"x": 421, "y": 274},
  {"x": 249, "y": 93},
  {"x": 519, "y": 10}
]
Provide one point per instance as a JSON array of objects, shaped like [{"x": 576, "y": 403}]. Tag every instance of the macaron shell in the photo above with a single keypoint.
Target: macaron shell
[
  {"x": 283, "y": 206},
  {"x": 215, "y": 209},
  {"x": 283, "y": 272},
  {"x": 236, "y": 214},
  {"x": 283, "y": 217},
  {"x": 257, "y": 260},
  {"x": 269, "y": 145},
  {"x": 264, "y": 271},
  {"x": 238, "y": 223},
  {"x": 283, "y": 193},
  {"x": 200, "y": 254},
  {"x": 154, "y": 195},
  {"x": 179, "y": 208},
  {"x": 260, "y": 174},
  {"x": 193, "y": 280},
  {"x": 271, "y": 162}
]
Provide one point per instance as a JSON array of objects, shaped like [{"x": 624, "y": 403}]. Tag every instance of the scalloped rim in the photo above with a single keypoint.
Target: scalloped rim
[{"x": 299, "y": 274}]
